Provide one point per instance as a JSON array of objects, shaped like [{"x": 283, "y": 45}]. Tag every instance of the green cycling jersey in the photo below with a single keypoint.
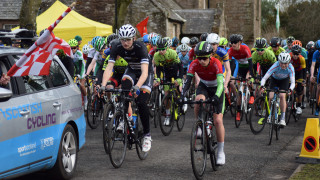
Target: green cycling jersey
[
  {"x": 266, "y": 59},
  {"x": 119, "y": 66},
  {"x": 169, "y": 58},
  {"x": 280, "y": 50}
]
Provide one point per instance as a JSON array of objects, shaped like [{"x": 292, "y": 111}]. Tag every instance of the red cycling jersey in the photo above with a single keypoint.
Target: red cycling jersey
[
  {"x": 242, "y": 55},
  {"x": 152, "y": 51},
  {"x": 191, "y": 54},
  {"x": 208, "y": 74}
]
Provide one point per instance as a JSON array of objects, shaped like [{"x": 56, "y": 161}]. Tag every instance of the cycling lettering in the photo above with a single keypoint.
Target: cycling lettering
[
  {"x": 41, "y": 121},
  {"x": 13, "y": 112}
]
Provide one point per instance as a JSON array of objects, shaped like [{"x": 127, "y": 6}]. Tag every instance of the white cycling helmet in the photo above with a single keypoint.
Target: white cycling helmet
[
  {"x": 184, "y": 47},
  {"x": 213, "y": 38},
  {"x": 284, "y": 57},
  {"x": 169, "y": 41},
  {"x": 185, "y": 40},
  {"x": 85, "y": 49},
  {"x": 127, "y": 31},
  {"x": 151, "y": 35}
]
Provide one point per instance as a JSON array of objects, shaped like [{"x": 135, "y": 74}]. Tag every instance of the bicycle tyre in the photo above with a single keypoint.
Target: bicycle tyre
[
  {"x": 181, "y": 118},
  {"x": 289, "y": 110},
  {"x": 201, "y": 160},
  {"x": 271, "y": 125},
  {"x": 277, "y": 127},
  {"x": 156, "y": 112},
  {"x": 107, "y": 125},
  {"x": 212, "y": 148},
  {"x": 117, "y": 154},
  {"x": 258, "y": 107},
  {"x": 166, "y": 129},
  {"x": 139, "y": 133},
  {"x": 95, "y": 113}
]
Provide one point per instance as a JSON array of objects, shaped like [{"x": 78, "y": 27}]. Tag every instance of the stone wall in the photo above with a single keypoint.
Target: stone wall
[
  {"x": 241, "y": 17},
  {"x": 157, "y": 20}
]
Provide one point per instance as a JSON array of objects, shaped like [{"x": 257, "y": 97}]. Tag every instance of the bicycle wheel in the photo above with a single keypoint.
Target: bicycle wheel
[
  {"x": 118, "y": 141},
  {"x": 198, "y": 150},
  {"x": 259, "y": 115},
  {"x": 166, "y": 128},
  {"x": 181, "y": 118},
  {"x": 157, "y": 105},
  {"x": 277, "y": 126},
  {"x": 151, "y": 104},
  {"x": 289, "y": 110},
  {"x": 212, "y": 148},
  {"x": 89, "y": 95},
  {"x": 139, "y": 133},
  {"x": 108, "y": 112},
  {"x": 158, "y": 111},
  {"x": 272, "y": 124},
  {"x": 94, "y": 113}
]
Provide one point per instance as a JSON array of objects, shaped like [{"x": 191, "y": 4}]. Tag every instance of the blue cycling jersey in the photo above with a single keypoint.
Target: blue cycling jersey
[
  {"x": 184, "y": 59},
  {"x": 278, "y": 73},
  {"x": 316, "y": 56}
]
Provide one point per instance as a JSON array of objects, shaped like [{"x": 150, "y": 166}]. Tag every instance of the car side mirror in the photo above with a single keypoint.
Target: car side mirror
[{"x": 5, "y": 94}]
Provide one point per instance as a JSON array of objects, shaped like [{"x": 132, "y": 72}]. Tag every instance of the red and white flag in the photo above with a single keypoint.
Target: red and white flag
[
  {"x": 38, "y": 58},
  {"x": 142, "y": 26}
]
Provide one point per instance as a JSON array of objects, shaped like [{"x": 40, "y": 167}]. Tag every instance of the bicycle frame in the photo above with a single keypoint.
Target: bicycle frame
[{"x": 245, "y": 93}]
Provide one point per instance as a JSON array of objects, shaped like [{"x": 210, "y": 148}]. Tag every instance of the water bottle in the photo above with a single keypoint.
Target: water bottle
[
  {"x": 134, "y": 118},
  {"x": 209, "y": 127}
]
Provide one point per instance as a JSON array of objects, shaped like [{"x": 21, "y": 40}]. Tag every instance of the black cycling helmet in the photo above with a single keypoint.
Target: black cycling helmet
[
  {"x": 290, "y": 39},
  {"x": 203, "y": 49},
  {"x": 296, "y": 49},
  {"x": 111, "y": 38},
  {"x": 204, "y": 36},
  {"x": 275, "y": 42},
  {"x": 194, "y": 41},
  {"x": 175, "y": 42},
  {"x": 310, "y": 45},
  {"x": 162, "y": 43},
  {"x": 317, "y": 45},
  {"x": 235, "y": 38},
  {"x": 260, "y": 43}
]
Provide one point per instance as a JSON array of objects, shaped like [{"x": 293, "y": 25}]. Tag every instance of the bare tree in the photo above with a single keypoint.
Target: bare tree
[
  {"x": 28, "y": 14},
  {"x": 122, "y": 6}
]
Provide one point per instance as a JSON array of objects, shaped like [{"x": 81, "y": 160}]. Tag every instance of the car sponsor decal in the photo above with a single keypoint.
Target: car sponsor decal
[
  {"x": 40, "y": 121},
  {"x": 13, "y": 112}
]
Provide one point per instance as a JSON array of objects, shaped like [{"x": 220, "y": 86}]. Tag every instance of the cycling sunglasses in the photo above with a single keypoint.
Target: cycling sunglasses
[
  {"x": 234, "y": 42},
  {"x": 260, "y": 50},
  {"x": 74, "y": 47},
  {"x": 297, "y": 54},
  {"x": 202, "y": 58},
  {"x": 161, "y": 49}
]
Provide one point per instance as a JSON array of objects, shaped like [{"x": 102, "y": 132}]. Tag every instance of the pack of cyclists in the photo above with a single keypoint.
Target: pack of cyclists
[{"x": 209, "y": 63}]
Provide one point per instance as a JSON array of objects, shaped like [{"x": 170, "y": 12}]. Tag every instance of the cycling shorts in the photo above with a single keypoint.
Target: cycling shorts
[
  {"x": 210, "y": 92},
  {"x": 134, "y": 75},
  {"x": 243, "y": 71},
  {"x": 115, "y": 80},
  {"x": 282, "y": 84}
]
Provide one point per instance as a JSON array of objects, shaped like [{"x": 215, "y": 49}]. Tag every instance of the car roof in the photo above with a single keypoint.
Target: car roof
[{"x": 5, "y": 50}]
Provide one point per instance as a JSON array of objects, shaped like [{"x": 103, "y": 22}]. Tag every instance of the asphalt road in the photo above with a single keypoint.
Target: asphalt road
[{"x": 247, "y": 156}]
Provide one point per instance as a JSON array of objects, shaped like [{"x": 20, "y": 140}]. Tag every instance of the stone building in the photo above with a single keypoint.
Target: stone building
[
  {"x": 9, "y": 13},
  {"x": 173, "y": 17}
]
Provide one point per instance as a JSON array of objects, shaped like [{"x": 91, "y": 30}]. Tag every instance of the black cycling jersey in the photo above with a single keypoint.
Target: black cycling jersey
[{"x": 135, "y": 57}]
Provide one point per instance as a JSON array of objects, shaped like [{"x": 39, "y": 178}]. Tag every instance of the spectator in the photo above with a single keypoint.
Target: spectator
[
  {"x": 4, "y": 79},
  {"x": 79, "y": 39}
]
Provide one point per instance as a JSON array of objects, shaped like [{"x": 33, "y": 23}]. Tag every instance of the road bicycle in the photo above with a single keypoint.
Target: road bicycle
[
  {"x": 230, "y": 102},
  {"x": 203, "y": 139},
  {"x": 96, "y": 102},
  {"x": 176, "y": 112},
  {"x": 292, "y": 106},
  {"x": 245, "y": 108},
  {"x": 154, "y": 104},
  {"x": 130, "y": 136},
  {"x": 274, "y": 114}
]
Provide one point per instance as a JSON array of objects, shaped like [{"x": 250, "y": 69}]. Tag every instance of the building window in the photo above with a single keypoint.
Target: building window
[{"x": 9, "y": 26}]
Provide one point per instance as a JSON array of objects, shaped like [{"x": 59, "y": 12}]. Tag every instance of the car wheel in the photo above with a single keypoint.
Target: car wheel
[{"x": 66, "y": 162}]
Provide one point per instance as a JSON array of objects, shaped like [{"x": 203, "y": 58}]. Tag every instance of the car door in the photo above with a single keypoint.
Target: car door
[
  {"x": 44, "y": 124},
  {"x": 16, "y": 143}
]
